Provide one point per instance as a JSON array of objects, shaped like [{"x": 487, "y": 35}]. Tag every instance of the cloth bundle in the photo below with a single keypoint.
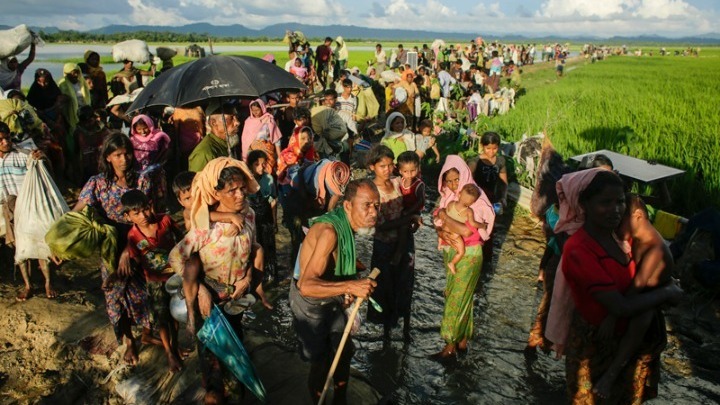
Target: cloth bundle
[
  {"x": 133, "y": 50},
  {"x": 323, "y": 178},
  {"x": 20, "y": 117},
  {"x": 15, "y": 40},
  {"x": 80, "y": 235},
  {"x": 39, "y": 205},
  {"x": 165, "y": 53}
]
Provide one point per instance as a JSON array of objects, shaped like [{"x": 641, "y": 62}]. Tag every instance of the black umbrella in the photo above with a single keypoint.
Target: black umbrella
[{"x": 215, "y": 76}]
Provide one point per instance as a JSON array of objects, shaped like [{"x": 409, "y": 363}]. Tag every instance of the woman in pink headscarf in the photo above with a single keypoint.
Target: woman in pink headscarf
[
  {"x": 457, "y": 323},
  {"x": 261, "y": 132}
]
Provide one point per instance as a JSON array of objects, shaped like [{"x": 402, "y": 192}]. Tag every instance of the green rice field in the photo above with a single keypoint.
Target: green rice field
[{"x": 657, "y": 108}]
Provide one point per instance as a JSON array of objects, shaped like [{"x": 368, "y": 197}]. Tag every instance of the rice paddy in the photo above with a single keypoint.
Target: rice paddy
[{"x": 655, "y": 108}]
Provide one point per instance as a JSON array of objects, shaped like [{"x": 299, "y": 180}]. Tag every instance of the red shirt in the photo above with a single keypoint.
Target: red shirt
[
  {"x": 152, "y": 251},
  {"x": 322, "y": 53},
  {"x": 589, "y": 269}
]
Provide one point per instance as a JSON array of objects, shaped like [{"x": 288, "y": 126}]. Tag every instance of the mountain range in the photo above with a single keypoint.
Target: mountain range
[{"x": 355, "y": 32}]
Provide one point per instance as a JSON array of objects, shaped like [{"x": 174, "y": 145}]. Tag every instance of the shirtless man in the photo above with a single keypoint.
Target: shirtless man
[
  {"x": 325, "y": 283},
  {"x": 653, "y": 264}
]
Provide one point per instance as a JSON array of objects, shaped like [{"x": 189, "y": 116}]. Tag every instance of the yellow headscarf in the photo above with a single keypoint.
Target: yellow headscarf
[
  {"x": 66, "y": 88},
  {"x": 203, "y": 189}
]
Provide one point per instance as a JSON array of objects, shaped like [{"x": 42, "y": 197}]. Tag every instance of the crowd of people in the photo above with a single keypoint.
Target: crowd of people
[{"x": 231, "y": 166}]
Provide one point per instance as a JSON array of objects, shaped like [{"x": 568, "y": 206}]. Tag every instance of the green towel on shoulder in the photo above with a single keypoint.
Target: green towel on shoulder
[{"x": 345, "y": 264}]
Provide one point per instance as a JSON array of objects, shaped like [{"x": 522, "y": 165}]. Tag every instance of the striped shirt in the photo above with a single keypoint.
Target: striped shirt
[{"x": 12, "y": 173}]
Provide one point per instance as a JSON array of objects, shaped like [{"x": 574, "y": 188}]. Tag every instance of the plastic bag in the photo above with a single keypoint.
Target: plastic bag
[
  {"x": 218, "y": 336},
  {"x": 16, "y": 40},
  {"x": 133, "y": 50},
  {"x": 79, "y": 235},
  {"x": 39, "y": 204}
]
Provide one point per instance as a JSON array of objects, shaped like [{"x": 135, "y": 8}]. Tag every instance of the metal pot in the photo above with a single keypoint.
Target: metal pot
[{"x": 178, "y": 308}]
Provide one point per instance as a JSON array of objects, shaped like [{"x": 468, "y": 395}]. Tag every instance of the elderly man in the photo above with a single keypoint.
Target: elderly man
[
  {"x": 13, "y": 168},
  {"x": 325, "y": 282},
  {"x": 222, "y": 139}
]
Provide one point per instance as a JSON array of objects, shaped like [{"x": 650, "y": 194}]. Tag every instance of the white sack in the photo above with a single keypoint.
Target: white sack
[
  {"x": 38, "y": 205},
  {"x": 133, "y": 50},
  {"x": 15, "y": 40}
]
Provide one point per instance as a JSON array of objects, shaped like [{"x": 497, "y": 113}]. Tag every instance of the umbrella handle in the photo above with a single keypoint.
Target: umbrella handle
[{"x": 351, "y": 319}]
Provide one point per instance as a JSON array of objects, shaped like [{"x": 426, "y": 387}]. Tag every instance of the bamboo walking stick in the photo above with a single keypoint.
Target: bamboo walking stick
[{"x": 373, "y": 274}]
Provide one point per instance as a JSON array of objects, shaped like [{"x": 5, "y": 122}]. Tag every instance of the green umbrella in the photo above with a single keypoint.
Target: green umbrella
[{"x": 218, "y": 336}]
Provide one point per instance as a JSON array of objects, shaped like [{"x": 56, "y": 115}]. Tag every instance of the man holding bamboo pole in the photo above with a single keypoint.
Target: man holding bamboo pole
[{"x": 325, "y": 283}]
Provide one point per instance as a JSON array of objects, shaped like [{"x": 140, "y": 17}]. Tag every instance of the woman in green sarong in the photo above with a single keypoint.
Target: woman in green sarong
[{"x": 457, "y": 323}]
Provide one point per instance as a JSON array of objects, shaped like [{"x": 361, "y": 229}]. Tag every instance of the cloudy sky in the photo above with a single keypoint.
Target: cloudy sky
[{"x": 538, "y": 17}]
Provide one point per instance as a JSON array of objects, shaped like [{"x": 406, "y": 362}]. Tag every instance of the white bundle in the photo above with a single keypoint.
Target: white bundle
[
  {"x": 15, "y": 40},
  {"x": 38, "y": 205},
  {"x": 133, "y": 50}
]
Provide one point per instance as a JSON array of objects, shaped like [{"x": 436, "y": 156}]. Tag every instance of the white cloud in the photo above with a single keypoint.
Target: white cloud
[
  {"x": 583, "y": 8},
  {"x": 664, "y": 9},
  {"x": 149, "y": 14}
]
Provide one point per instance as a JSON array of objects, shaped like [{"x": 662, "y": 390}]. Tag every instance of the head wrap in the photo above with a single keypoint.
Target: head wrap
[{"x": 203, "y": 189}]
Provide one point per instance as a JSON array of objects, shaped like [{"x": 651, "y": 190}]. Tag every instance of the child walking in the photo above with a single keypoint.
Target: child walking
[
  {"x": 149, "y": 243},
  {"x": 264, "y": 203},
  {"x": 150, "y": 144},
  {"x": 150, "y": 147},
  {"x": 412, "y": 189}
]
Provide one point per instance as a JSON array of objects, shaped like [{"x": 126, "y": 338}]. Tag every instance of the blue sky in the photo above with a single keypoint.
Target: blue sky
[{"x": 531, "y": 17}]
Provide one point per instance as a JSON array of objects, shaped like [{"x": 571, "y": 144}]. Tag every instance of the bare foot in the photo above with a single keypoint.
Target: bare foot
[
  {"x": 174, "y": 363},
  {"x": 24, "y": 294},
  {"x": 604, "y": 385},
  {"x": 183, "y": 353},
  {"x": 49, "y": 292},
  {"x": 213, "y": 398},
  {"x": 266, "y": 303},
  {"x": 147, "y": 338},
  {"x": 462, "y": 345},
  {"x": 451, "y": 266},
  {"x": 447, "y": 352},
  {"x": 131, "y": 356}
]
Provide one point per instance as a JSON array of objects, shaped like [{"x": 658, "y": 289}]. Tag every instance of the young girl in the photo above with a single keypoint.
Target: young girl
[
  {"x": 264, "y": 203},
  {"x": 395, "y": 283},
  {"x": 150, "y": 143},
  {"x": 412, "y": 189},
  {"x": 461, "y": 211},
  {"x": 261, "y": 132},
  {"x": 300, "y": 150},
  {"x": 490, "y": 172}
]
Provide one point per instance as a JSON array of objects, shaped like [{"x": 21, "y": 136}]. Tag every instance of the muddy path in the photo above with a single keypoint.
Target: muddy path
[{"x": 63, "y": 351}]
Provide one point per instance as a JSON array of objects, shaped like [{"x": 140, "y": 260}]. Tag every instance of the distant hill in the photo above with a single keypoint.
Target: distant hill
[{"x": 354, "y": 32}]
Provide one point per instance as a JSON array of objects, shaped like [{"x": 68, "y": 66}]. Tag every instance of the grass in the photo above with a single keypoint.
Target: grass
[{"x": 660, "y": 108}]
